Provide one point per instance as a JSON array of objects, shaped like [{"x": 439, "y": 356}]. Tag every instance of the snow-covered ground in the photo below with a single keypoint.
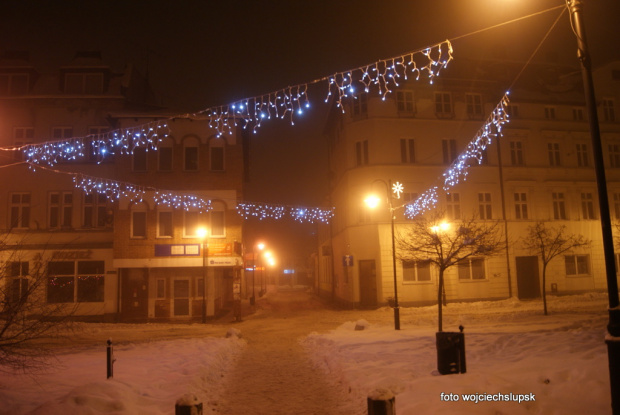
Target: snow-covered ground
[{"x": 560, "y": 360}]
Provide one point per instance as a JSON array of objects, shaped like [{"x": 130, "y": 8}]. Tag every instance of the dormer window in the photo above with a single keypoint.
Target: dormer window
[
  {"x": 84, "y": 83},
  {"x": 13, "y": 84}
]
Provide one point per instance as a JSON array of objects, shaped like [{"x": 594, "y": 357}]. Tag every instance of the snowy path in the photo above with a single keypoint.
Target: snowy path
[{"x": 274, "y": 375}]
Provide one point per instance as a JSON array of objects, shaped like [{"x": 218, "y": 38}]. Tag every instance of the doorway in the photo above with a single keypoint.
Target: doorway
[
  {"x": 528, "y": 280},
  {"x": 368, "y": 283}
]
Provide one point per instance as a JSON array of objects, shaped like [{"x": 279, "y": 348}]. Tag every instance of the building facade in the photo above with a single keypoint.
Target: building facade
[
  {"x": 74, "y": 229},
  {"x": 541, "y": 169}
]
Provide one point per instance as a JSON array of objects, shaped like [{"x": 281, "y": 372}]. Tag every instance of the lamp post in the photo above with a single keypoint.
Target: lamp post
[
  {"x": 261, "y": 247},
  {"x": 203, "y": 234},
  {"x": 372, "y": 202},
  {"x": 613, "y": 328}
]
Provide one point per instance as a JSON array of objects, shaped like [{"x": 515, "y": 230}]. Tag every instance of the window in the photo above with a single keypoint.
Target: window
[
  {"x": 164, "y": 155},
  {"x": 453, "y": 206},
  {"x": 512, "y": 111},
  {"x": 361, "y": 153},
  {"x": 190, "y": 154},
  {"x": 404, "y": 102},
  {"x": 96, "y": 153},
  {"x": 472, "y": 269},
  {"x": 550, "y": 113},
  {"x": 84, "y": 83},
  {"x": 65, "y": 286},
  {"x": 617, "y": 205},
  {"x": 416, "y": 271},
  {"x": 59, "y": 133},
  {"x": 20, "y": 210},
  {"x": 520, "y": 206},
  {"x": 484, "y": 206},
  {"x": 474, "y": 105},
  {"x": 609, "y": 114},
  {"x": 60, "y": 210},
  {"x": 22, "y": 136},
  {"x": 516, "y": 153},
  {"x": 60, "y": 281},
  {"x": 614, "y": 155},
  {"x": 587, "y": 206},
  {"x": 164, "y": 224},
  {"x": 139, "y": 159},
  {"x": 218, "y": 226},
  {"x": 582, "y": 155},
  {"x": 193, "y": 221},
  {"x": 138, "y": 221},
  {"x": 577, "y": 265},
  {"x": 95, "y": 210},
  {"x": 160, "y": 289},
  {"x": 13, "y": 84},
  {"x": 216, "y": 155},
  {"x": 559, "y": 206},
  {"x": 443, "y": 104},
  {"x": 407, "y": 150},
  {"x": 360, "y": 105},
  {"x": 449, "y": 151},
  {"x": 577, "y": 114},
  {"x": 553, "y": 151},
  {"x": 90, "y": 281},
  {"x": 17, "y": 289}
]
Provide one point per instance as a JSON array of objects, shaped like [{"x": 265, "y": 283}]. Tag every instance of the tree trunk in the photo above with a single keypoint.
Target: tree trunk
[{"x": 439, "y": 303}]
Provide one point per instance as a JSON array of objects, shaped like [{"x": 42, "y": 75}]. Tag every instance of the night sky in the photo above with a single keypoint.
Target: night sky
[{"x": 204, "y": 53}]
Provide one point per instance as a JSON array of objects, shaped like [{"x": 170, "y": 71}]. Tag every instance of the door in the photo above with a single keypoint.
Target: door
[
  {"x": 134, "y": 294},
  {"x": 368, "y": 283},
  {"x": 528, "y": 281},
  {"x": 180, "y": 292}
]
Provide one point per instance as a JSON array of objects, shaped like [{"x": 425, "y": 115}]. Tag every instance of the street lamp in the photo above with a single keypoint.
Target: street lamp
[
  {"x": 372, "y": 202},
  {"x": 613, "y": 327},
  {"x": 203, "y": 234}
]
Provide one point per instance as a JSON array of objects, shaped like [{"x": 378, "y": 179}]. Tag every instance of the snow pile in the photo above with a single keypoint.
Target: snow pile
[
  {"x": 148, "y": 379},
  {"x": 553, "y": 365}
]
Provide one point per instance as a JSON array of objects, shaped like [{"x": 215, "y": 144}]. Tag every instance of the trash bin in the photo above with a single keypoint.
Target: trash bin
[{"x": 451, "y": 352}]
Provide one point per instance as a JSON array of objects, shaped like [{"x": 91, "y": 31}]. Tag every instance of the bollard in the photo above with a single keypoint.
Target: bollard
[
  {"x": 110, "y": 359},
  {"x": 381, "y": 402},
  {"x": 188, "y": 404}
]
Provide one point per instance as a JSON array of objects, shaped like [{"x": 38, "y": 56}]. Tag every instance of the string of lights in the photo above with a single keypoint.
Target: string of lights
[
  {"x": 458, "y": 170},
  {"x": 474, "y": 151},
  {"x": 300, "y": 214},
  {"x": 251, "y": 112}
]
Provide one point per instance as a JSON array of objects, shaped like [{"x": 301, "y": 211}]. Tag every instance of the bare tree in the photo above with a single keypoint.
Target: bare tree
[
  {"x": 550, "y": 242},
  {"x": 26, "y": 317},
  {"x": 431, "y": 238}
]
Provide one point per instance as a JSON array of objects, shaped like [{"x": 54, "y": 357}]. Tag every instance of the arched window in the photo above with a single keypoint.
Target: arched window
[
  {"x": 165, "y": 155},
  {"x": 190, "y": 153},
  {"x": 216, "y": 154}
]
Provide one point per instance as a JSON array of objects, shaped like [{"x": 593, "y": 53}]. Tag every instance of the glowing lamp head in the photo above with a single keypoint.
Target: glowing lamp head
[
  {"x": 201, "y": 232},
  {"x": 442, "y": 227},
  {"x": 372, "y": 201},
  {"x": 260, "y": 246}
]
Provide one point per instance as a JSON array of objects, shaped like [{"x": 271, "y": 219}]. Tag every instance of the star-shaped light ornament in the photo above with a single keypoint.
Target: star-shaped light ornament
[{"x": 397, "y": 189}]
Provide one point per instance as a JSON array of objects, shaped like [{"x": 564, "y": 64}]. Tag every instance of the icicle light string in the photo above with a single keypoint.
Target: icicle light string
[
  {"x": 300, "y": 214},
  {"x": 287, "y": 103},
  {"x": 475, "y": 149},
  {"x": 458, "y": 170},
  {"x": 99, "y": 146}
]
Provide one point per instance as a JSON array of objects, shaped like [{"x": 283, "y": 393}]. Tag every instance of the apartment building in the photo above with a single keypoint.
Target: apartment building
[
  {"x": 111, "y": 232},
  {"x": 414, "y": 135}
]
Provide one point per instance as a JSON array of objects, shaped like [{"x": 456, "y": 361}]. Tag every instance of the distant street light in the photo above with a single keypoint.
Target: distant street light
[
  {"x": 203, "y": 234},
  {"x": 372, "y": 202}
]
